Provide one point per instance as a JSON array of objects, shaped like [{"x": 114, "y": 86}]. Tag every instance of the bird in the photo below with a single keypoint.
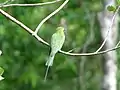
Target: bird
[{"x": 57, "y": 41}]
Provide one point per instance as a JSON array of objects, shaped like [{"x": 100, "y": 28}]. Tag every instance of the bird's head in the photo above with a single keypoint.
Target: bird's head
[{"x": 60, "y": 29}]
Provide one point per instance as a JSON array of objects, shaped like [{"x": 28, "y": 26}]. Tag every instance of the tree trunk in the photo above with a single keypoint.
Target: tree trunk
[{"x": 109, "y": 62}]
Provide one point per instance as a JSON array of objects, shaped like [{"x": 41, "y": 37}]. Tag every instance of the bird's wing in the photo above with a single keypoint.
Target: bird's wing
[{"x": 57, "y": 41}]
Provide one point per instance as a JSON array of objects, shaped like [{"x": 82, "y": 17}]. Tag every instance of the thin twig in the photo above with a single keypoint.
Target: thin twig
[
  {"x": 1, "y": 4},
  {"x": 110, "y": 29},
  {"x": 49, "y": 16},
  {"x": 45, "y": 43},
  {"x": 29, "y": 5},
  {"x": 73, "y": 49},
  {"x": 117, "y": 44}
]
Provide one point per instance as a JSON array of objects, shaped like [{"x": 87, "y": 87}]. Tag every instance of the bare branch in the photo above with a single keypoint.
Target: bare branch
[
  {"x": 29, "y": 5},
  {"x": 89, "y": 54},
  {"x": 49, "y": 16},
  {"x": 110, "y": 29},
  {"x": 117, "y": 44},
  {"x": 45, "y": 43}
]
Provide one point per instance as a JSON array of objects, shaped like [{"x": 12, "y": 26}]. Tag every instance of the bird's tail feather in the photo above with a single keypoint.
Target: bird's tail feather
[
  {"x": 48, "y": 64},
  {"x": 46, "y": 73},
  {"x": 50, "y": 60}
]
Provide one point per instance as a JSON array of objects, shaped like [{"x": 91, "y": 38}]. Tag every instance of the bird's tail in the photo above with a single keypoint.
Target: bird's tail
[
  {"x": 50, "y": 60},
  {"x": 48, "y": 64}
]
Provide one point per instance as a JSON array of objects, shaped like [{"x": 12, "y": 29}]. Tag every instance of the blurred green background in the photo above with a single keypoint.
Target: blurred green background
[{"x": 24, "y": 57}]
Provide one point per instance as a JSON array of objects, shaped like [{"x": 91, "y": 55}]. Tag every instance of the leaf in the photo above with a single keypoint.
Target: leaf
[
  {"x": 1, "y": 71},
  {"x": 111, "y": 8}
]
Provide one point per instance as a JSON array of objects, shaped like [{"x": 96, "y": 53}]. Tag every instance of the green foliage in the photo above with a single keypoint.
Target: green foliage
[
  {"x": 118, "y": 2},
  {"x": 111, "y": 8}
]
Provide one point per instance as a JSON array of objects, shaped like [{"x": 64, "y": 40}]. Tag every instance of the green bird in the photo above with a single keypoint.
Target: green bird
[{"x": 57, "y": 42}]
